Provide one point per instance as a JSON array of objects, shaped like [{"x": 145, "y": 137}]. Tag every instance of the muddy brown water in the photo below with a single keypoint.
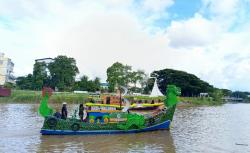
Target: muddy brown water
[{"x": 220, "y": 129}]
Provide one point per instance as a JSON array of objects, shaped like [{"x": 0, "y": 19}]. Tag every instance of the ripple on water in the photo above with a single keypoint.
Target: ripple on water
[{"x": 195, "y": 129}]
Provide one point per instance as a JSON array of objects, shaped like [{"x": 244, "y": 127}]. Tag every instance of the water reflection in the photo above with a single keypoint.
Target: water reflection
[{"x": 149, "y": 142}]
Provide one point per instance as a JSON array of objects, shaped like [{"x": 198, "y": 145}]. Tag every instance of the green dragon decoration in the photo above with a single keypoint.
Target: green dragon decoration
[
  {"x": 134, "y": 121},
  {"x": 44, "y": 109},
  {"x": 171, "y": 100}
]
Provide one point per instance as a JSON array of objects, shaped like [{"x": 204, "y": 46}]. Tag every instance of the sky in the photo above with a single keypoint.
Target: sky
[{"x": 208, "y": 38}]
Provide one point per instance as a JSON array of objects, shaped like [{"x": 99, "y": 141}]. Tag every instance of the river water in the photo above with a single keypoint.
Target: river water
[{"x": 220, "y": 129}]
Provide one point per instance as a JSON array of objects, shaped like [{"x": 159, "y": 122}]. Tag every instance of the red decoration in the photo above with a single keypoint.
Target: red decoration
[{"x": 47, "y": 89}]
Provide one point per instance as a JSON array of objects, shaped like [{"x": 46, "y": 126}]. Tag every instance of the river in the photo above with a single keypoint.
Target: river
[{"x": 218, "y": 129}]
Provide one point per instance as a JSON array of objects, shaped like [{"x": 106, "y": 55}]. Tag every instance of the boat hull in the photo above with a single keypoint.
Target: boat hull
[{"x": 162, "y": 126}]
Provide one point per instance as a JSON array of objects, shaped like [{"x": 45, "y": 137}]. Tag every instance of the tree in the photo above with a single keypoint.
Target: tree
[
  {"x": 25, "y": 82},
  {"x": 39, "y": 75},
  {"x": 190, "y": 84},
  {"x": 9, "y": 85},
  {"x": 136, "y": 77},
  {"x": 97, "y": 83},
  {"x": 226, "y": 92},
  {"x": 88, "y": 85},
  {"x": 217, "y": 95},
  {"x": 148, "y": 86},
  {"x": 63, "y": 71},
  {"x": 118, "y": 74}
]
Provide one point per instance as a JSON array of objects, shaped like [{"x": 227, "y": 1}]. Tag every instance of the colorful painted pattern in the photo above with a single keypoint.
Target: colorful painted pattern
[{"x": 123, "y": 121}]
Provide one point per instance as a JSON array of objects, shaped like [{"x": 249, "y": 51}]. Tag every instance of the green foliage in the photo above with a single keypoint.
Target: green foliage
[
  {"x": 149, "y": 86},
  {"x": 118, "y": 74},
  {"x": 9, "y": 85},
  {"x": 39, "y": 75},
  {"x": 217, "y": 95},
  {"x": 136, "y": 76},
  {"x": 200, "y": 101},
  {"x": 122, "y": 75},
  {"x": 88, "y": 85},
  {"x": 189, "y": 83},
  {"x": 240, "y": 94},
  {"x": 35, "y": 97},
  {"x": 226, "y": 92},
  {"x": 25, "y": 82},
  {"x": 63, "y": 71},
  {"x": 62, "y": 74}
]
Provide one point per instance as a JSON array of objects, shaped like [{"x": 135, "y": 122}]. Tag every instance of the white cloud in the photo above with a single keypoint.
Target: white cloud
[
  {"x": 196, "y": 31},
  {"x": 222, "y": 7},
  {"x": 99, "y": 33},
  {"x": 157, "y": 5}
]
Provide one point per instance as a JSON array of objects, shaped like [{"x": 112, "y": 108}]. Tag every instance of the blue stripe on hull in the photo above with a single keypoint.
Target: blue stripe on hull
[{"x": 161, "y": 126}]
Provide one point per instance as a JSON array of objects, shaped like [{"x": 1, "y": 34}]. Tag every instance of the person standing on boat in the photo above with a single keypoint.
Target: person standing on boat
[
  {"x": 64, "y": 111},
  {"x": 81, "y": 109}
]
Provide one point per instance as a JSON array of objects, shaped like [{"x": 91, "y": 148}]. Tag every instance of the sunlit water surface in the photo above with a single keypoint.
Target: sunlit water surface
[{"x": 220, "y": 129}]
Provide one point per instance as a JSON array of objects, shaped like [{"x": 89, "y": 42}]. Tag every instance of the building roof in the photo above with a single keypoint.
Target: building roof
[
  {"x": 105, "y": 84},
  {"x": 43, "y": 59}
]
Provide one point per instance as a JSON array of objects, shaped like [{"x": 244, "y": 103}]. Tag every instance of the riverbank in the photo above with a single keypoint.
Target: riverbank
[
  {"x": 27, "y": 96},
  {"x": 199, "y": 101}
]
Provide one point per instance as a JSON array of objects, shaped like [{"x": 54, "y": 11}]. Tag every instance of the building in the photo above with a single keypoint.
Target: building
[
  {"x": 45, "y": 60},
  {"x": 104, "y": 85},
  {"x": 204, "y": 94},
  {"x": 6, "y": 70}
]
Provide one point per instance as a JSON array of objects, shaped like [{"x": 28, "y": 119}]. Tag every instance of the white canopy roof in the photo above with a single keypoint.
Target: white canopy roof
[{"x": 156, "y": 92}]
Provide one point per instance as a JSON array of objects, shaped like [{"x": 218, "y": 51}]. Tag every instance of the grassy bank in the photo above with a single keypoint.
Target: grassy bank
[
  {"x": 35, "y": 97},
  {"x": 199, "y": 101},
  {"x": 27, "y": 96}
]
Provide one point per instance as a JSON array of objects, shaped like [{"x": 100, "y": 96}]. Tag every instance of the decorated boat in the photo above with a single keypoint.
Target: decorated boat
[{"x": 114, "y": 115}]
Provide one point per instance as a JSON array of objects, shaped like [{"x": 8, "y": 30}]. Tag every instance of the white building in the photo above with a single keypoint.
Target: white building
[
  {"x": 45, "y": 60},
  {"x": 6, "y": 70}
]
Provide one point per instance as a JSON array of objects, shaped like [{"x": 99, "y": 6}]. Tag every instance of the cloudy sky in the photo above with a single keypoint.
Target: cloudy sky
[{"x": 209, "y": 38}]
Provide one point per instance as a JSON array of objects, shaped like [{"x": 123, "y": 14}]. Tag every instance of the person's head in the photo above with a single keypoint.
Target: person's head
[
  {"x": 81, "y": 105},
  {"x": 64, "y": 104}
]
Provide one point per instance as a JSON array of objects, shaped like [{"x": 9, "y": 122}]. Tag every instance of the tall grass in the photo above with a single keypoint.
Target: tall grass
[
  {"x": 200, "y": 101},
  {"x": 35, "y": 97},
  {"x": 28, "y": 96}
]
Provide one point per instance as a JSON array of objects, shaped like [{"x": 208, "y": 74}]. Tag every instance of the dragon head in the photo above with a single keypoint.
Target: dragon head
[{"x": 171, "y": 95}]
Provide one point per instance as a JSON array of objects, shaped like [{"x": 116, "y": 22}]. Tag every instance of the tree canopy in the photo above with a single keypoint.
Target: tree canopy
[
  {"x": 122, "y": 75},
  {"x": 190, "y": 84},
  {"x": 118, "y": 74},
  {"x": 62, "y": 72},
  {"x": 88, "y": 85},
  {"x": 58, "y": 74},
  {"x": 25, "y": 82},
  {"x": 39, "y": 75}
]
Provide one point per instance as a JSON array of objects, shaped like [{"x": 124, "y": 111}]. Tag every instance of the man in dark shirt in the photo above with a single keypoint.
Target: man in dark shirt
[
  {"x": 81, "y": 109},
  {"x": 64, "y": 111}
]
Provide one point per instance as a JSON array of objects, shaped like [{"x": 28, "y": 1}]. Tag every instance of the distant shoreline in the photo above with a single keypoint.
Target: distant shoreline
[{"x": 28, "y": 96}]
